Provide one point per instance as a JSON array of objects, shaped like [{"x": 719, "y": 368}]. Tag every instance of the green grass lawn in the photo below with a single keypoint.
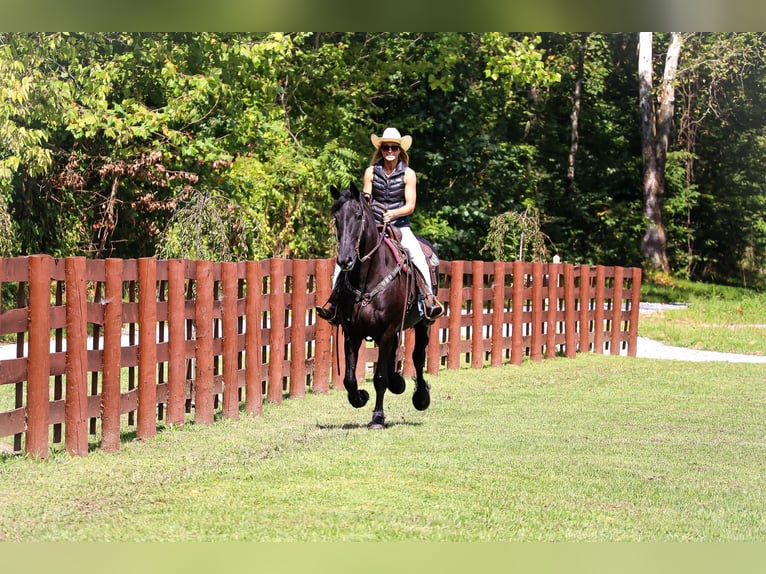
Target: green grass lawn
[
  {"x": 725, "y": 319},
  {"x": 595, "y": 448}
]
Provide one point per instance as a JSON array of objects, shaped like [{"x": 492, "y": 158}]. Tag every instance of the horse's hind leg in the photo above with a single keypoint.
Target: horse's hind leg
[
  {"x": 358, "y": 398},
  {"x": 421, "y": 399}
]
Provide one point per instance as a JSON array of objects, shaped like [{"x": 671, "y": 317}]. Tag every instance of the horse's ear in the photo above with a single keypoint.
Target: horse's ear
[
  {"x": 354, "y": 189},
  {"x": 334, "y": 191}
]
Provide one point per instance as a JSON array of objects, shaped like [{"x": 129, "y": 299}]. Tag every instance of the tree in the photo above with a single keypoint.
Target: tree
[
  {"x": 655, "y": 133},
  {"x": 517, "y": 235},
  {"x": 576, "y": 104},
  {"x": 122, "y": 144},
  {"x": 718, "y": 184}
]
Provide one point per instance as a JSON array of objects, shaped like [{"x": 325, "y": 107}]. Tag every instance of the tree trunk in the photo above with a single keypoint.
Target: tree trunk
[
  {"x": 688, "y": 132},
  {"x": 655, "y": 133},
  {"x": 575, "y": 117}
]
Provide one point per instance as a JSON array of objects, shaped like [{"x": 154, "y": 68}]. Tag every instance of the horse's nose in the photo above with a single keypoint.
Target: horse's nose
[{"x": 345, "y": 263}]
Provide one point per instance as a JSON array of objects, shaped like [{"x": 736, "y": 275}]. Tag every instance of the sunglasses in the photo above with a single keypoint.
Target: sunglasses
[{"x": 387, "y": 147}]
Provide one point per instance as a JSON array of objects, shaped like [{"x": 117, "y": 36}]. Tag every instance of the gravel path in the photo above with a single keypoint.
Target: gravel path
[{"x": 650, "y": 349}]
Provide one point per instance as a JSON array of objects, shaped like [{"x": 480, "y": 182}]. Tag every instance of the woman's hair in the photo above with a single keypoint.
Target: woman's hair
[{"x": 378, "y": 155}]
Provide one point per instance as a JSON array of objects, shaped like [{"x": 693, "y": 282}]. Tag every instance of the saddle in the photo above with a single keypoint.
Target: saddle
[{"x": 393, "y": 238}]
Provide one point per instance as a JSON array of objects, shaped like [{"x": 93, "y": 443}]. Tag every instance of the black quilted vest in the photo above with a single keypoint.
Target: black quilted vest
[{"x": 388, "y": 192}]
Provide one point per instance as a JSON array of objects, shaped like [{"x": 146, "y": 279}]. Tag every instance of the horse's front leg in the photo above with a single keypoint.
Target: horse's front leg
[
  {"x": 386, "y": 353},
  {"x": 358, "y": 398},
  {"x": 421, "y": 399}
]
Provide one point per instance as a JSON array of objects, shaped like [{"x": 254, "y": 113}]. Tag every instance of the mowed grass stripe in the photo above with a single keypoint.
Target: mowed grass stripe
[{"x": 586, "y": 449}]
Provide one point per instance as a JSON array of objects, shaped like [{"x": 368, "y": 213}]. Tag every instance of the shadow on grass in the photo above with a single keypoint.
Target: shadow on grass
[{"x": 352, "y": 426}]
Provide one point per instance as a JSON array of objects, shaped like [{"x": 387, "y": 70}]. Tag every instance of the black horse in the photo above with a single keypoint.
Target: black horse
[{"x": 376, "y": 298}]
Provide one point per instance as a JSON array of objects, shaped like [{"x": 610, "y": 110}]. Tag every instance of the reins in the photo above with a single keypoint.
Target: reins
[
  {"x": 365, "y": 297},
  {"x": 359, "y": 256}
]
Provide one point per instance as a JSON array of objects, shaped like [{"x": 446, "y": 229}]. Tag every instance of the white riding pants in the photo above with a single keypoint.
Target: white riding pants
[{"x": 411, "y": 244}]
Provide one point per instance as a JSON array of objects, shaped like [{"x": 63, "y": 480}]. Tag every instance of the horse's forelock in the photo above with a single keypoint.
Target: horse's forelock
[{"x": 344, "y": 196}]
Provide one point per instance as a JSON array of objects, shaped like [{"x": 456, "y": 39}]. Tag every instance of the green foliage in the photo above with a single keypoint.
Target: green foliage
[
  {"x": 515, "y": 62},
  {"x": 517, "y": 236},
  {"x": 659, "y": 288},
  {"x": 6, "y": 230},
  {"x": 102, "y": 135},
  {"x": 682, "y": 199},
  {"x": 204, "y": 226},
  {"x": 285, "y": 195}
]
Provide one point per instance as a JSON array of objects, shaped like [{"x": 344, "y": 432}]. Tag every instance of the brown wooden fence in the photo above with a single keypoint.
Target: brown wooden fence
[{"x": 102, "y": 346}]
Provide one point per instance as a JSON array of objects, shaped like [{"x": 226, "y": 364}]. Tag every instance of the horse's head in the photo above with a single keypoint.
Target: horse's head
[{"x": 352, "y": 216}]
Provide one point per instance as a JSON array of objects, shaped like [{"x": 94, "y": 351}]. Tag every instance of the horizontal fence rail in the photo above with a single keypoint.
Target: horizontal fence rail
[{"x": 95, "y": 347}]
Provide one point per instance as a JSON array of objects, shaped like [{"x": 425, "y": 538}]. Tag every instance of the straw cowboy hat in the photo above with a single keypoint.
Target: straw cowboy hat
[{"x": 392, "y": 135}]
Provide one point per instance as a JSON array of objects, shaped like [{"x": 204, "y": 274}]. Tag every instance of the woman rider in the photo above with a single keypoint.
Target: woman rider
[{"x": 391, "y": 184}]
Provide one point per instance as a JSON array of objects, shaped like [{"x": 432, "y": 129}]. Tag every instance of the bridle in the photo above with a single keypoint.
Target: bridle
[
  {"x": 362, "y": 228},
  {"x": 365, "y": 297}
]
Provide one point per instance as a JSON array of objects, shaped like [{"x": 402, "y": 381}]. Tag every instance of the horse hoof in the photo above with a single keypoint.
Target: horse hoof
[
  {"x": 362, "y": 397},
  {"x": 396, "y": 384},
  {"x": 378, "y": 421},
  {"x": 421, "y": 404},
  {"x": 421, "y": 400}
]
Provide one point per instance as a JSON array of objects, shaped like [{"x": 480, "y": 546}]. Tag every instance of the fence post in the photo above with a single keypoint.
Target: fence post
[
  {"x": 434, "y": 348},
  {"x": 253, "y": 388},
  {"x": 322, "y": 329},
  {"x": 76, "y": 403},
  {"x": 408, "y": 366},
  {"x": 553, "y": 309},
  {"x": 147, "y": 348},
  {"x": 298, "y": 329},
  {"x": 619, "y": 277},
  {"x": 455, "y": 314},
  {"x": 38, "y": 370},
  {"x": 203, "y": 377},
  {"x": 635, "y": 302},
  {"x": 229, "y": 284},
  {"x": 536, "y": 344},
  {"x": 517, "y": 313},
  {"x": 598, "y": 331},
  {"x": 365, "y": 354},
  {"x": 570, "y": 314},
  {"x": 433, "y": 351},
  {"x": 498, "y": 313},
  {"x": 110, "y": 382},
  {"x": 477, "y": 319},
  {"x": 176, "y": 343},
  {"x": 584, "y": 308},
  {"x": 277, "y": 315}
]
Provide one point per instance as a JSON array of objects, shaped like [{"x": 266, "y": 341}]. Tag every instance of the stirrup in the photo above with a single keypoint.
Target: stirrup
[{"x": 433, "y": 308}]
